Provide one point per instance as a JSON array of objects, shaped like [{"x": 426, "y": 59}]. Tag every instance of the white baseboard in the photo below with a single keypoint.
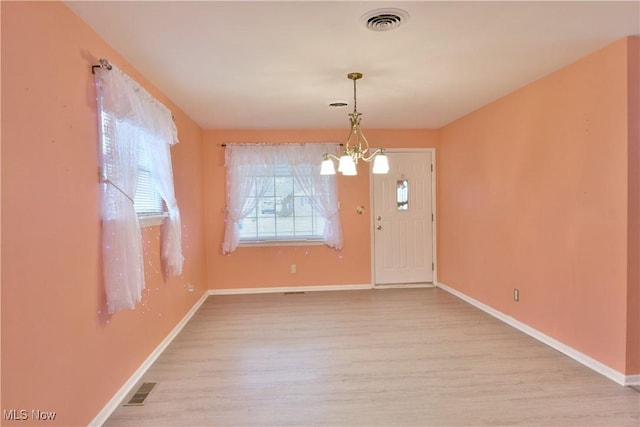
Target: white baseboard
[
  {"x": 405, "y": 286},
  {"x": 126, "y": 388},
  {"x": 601, "y": 368},
  {"x": 283, "y": 289},
  {"x": 632, "y": 380}
]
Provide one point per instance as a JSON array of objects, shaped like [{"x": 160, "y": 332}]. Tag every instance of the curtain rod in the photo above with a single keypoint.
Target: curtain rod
[
  {"x": 103, "y": 63},
  {"x": 281, "y": 143}
]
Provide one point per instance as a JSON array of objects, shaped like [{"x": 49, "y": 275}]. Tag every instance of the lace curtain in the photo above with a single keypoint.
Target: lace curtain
[
  {"x": 121, "y": 247},
  {"x": 249, "y": 173},
  {"x": 321, "y": 192},
  {"x": 134, "y": 118},
  {"x": 162, "y": 177}
]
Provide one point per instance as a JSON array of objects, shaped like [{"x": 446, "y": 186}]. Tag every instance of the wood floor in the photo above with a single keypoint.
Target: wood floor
[{"x": 393, "y": 357}]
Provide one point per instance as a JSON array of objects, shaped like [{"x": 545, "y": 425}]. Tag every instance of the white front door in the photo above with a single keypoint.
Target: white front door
[{"x": 403, "y": 220}]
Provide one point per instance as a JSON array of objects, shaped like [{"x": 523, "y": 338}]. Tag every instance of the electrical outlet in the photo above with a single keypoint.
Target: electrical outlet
[
  {"x": 516, "y": 294},
  {"x": 293, "y": 269},
  {"x": 189, "y": 287}
]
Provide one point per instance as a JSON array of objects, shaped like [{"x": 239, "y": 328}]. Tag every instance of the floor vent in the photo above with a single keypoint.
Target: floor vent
[
  {"x": 294, "y": 293},
  {"x": 141, "y": 395}
]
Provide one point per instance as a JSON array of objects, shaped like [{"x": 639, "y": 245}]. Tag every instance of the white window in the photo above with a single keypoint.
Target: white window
[
  {"x": 283, "y": 212},
  {"x": 275, "y": 193},
  {"x": 147, "y": 201}
]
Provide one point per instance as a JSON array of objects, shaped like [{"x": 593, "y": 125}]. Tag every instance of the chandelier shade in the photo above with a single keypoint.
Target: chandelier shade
[
  {"x": 327, "y": 167},
  {"x": 356, "y": 148},
  {"x": 381, "y": 164}
]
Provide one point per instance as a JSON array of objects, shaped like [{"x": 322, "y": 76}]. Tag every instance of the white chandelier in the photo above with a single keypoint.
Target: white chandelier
[{"x": 356, "y": 147}]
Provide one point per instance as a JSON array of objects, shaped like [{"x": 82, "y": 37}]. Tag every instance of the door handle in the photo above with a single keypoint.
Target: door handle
[{"x": 379, "y": 227}]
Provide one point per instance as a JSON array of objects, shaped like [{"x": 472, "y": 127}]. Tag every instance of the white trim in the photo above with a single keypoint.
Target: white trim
[
  {"x": 257, "y": 243},
  {"x": 405, "y": 285},
  {"x": 283, "y": 289},
  {"x": 434, "y": 210},
  {"x": 152, "y": 220},
  {"x": 115, "y": 401},
  {"x": 434, "y": 237},
  {"x": 632, "y": 380},
  {"x": 601, "y": 368}
]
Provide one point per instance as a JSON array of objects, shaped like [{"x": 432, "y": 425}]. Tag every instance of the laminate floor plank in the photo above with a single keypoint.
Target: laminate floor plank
[{"x": 392, "y": 357}]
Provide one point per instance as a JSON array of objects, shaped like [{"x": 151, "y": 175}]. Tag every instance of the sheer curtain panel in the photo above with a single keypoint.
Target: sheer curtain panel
[
  {"x": 321, "y": 192},
  {"x": 248, "y": 178},
  {"x": 135, "y": 119},
  {"x": 162, "y": 177}
]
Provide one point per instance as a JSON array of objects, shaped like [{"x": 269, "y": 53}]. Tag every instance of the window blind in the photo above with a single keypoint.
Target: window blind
[{"x": 147, "y": 200}]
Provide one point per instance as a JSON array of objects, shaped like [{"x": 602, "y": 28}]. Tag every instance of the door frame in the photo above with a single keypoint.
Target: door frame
[{"x": 433, "y": 208}]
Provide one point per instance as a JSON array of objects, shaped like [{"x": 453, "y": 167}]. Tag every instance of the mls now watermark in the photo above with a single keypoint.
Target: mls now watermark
[{"x": 23, "y": 415}]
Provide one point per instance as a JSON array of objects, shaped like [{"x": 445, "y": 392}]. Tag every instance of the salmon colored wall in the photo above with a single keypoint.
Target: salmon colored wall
[
  {"x": 252, "y": 267},
  {"x": 633, "y": 256},
  {"x": 532, "y": 194},
  {"x": 0, "y": 216},
  {"x": 60, "y": 351}
]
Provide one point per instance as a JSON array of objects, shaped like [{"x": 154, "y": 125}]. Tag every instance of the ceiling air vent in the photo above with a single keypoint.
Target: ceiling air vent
[{"x": 384, "y": 19}]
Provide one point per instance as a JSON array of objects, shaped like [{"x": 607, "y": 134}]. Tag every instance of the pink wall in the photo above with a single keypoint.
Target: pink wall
[
  {"x": 316, "y": 265},
  {"x": 532, "y": 194},
  {"x": 633, "y": 256},
  {"x": 60, "y": 351}
]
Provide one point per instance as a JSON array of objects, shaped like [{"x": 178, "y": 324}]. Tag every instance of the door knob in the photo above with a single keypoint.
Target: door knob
[
  {"x": 379, "y": 227},
  {"x": 379, "y": 217}
]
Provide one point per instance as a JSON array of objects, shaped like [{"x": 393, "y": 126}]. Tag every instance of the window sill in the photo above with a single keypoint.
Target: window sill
[
  {"x": 151, "y": 220},
  {"x": 281, "y": 243}
]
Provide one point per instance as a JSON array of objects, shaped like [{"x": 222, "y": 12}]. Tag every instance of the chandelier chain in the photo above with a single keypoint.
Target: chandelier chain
[{"x": 355, "y": 100}]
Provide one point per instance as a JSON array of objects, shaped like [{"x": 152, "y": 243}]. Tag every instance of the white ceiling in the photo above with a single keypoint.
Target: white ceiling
[{"x": 265, "y": 64}]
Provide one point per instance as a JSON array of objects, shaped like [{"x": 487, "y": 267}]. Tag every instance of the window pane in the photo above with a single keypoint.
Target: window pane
[
  {"x": 267, "y": 206},
  {"x": 302, "y": 206},
  {"x": 147, "y": 200},
  {"x": 282, "y": 213},
  {"x": 284, "y": 226},
  {"x": 304, "y": 225},
  {"x": 248, "y": 228},
  {"x": 266, "y": 227},
  {"x": 402, "y": 192}
]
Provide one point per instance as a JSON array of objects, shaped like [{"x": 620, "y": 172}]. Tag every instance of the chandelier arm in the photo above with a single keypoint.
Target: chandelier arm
[
  {"x": 374, "y": 154},
  {"x": 329, "y": 155}
]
